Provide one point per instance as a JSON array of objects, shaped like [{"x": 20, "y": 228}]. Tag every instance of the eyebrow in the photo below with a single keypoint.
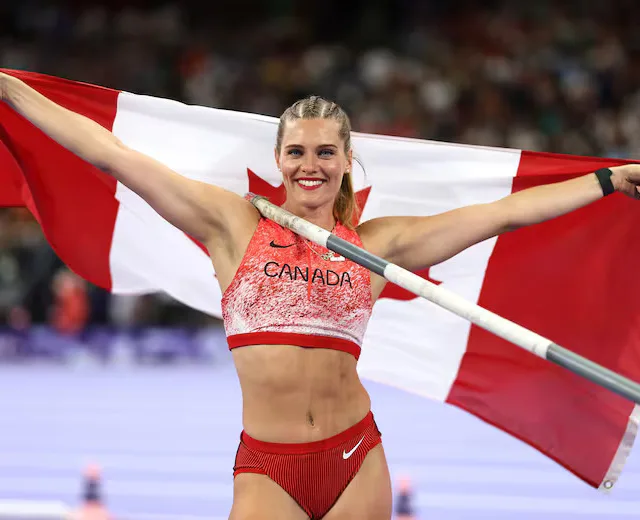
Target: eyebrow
[{"x": 319, "y": 146}]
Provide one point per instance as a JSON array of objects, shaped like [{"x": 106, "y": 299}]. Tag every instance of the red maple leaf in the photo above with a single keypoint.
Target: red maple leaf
[
  {"x": 276, "y": 194},
  {"x": 259, "y": 186}
]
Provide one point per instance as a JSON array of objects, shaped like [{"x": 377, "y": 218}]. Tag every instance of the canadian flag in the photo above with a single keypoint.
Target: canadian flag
[{"x": 573, "y": 279}]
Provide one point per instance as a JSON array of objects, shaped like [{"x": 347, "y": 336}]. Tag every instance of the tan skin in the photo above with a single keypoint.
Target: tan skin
[{"x": 292, "y": 394}]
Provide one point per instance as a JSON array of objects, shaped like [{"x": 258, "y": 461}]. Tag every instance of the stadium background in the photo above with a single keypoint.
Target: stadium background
[{"x": 143, "y": 385}]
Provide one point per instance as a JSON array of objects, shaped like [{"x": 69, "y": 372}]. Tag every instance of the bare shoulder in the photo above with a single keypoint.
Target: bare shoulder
[
  {"x": 376, "y": 233},
  {"x": 236, "y": 220},
  {"x": 231, "y": 207}
]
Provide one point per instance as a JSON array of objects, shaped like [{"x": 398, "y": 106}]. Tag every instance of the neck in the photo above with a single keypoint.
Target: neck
[{"x": 321, "y": 216}]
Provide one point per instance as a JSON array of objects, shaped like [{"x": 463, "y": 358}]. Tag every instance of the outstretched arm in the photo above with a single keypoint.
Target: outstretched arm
[
  {"x": 419, "y": 242},
  {"x": 197, "y": 208}
]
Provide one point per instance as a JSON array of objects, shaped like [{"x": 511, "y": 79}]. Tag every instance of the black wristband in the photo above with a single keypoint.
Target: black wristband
[{"x": 604, "y": 178}]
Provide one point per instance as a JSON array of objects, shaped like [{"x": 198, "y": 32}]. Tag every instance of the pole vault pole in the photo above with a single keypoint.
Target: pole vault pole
[{"x": 446, "y": 299}]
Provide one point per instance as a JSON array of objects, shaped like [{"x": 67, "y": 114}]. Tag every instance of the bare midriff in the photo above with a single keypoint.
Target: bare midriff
[{"x": 295, "y": 395}]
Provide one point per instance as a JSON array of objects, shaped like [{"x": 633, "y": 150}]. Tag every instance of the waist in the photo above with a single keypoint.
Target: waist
[
  {"x": 324, "y": 341},
  {"x": 293, "y": 394},
  {"x": 302, "y": 448}
]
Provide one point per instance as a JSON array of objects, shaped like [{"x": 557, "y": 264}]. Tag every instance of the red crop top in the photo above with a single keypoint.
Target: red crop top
[{"x": 285, "y": 293}]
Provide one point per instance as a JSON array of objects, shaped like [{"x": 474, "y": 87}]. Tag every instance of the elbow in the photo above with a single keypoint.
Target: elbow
[
  {"x": 115, "y": 157},
  {"x": 510, "y": 215},
  {"x": 503, "y": 217},
  {"x": 511, "y": 227},
  {"x": 518, "y": 219},
  {"x": 511, "y": 222}
]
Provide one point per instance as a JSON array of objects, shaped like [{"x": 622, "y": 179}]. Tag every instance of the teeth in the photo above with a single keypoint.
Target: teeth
[{"x": 309, "y": 183}]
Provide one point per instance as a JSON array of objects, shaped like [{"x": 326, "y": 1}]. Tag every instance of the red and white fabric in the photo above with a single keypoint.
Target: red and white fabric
[{"x": 572, "y": 279}]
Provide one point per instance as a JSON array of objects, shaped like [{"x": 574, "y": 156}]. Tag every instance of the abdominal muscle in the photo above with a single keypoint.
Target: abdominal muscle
[{"x": 294, "y": 395}]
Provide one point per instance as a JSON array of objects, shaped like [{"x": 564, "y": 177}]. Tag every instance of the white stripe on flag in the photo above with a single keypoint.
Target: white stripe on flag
[
  {"x": 429, "y": 366},
  {"x": 217, "y": 146}
]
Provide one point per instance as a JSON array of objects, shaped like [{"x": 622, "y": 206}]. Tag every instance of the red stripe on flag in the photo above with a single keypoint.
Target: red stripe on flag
[
  {"x": 572, "y": 280},
  {"x": 10, "y": 180},
  {"x": 73, "y": 201}
]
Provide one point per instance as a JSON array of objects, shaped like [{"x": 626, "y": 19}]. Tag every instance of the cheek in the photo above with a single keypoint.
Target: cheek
[
  {"x": 336, "y": 172},
  {"x": 287, "y": 169}
]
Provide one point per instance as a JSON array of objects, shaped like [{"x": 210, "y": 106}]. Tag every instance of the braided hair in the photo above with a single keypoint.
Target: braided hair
[{"x": 345, "y": 207}]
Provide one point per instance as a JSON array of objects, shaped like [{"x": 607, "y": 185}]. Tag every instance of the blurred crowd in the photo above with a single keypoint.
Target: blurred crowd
[{"x": 555, "y": 76}]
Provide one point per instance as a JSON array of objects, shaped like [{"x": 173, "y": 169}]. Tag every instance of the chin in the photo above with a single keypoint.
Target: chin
[{"x": 315, "y": 200}]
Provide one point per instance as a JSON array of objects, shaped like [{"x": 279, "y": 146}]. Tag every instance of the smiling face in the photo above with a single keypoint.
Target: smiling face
[
  {"x": 313, "y": 160},
  {"x": 313, "y": 152}
]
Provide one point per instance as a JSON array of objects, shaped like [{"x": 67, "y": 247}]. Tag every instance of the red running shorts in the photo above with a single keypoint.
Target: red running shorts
[{"x": 314, "y": 474}]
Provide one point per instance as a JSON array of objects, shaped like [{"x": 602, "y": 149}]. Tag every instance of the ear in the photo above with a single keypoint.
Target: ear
[{"x": 350, "y": 161}]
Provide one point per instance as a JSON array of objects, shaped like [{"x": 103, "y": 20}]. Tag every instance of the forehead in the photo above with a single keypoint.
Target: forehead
[{"x": 303, "y": 131}]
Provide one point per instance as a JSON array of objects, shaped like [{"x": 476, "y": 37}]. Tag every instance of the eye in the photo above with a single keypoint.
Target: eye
[
  {"x": 326, "y": 153},
  {"x": 295, "y": 152}
]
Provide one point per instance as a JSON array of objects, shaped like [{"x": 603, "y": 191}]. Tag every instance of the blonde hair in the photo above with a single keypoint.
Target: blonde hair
[{"x": 345, "y": 208}]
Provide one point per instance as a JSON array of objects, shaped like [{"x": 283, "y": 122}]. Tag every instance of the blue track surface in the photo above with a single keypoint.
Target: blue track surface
[{"x": 166, "y": 439}]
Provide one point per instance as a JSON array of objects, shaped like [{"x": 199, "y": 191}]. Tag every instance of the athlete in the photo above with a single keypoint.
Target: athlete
[{"x": 295, "y": 313}]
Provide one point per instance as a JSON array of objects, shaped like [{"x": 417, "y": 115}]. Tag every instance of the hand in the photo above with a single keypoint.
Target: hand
[
  {"x": 5, "y": 82},
  {"x": 626, "y": 179},
  {"x": 3, "y": 85}
]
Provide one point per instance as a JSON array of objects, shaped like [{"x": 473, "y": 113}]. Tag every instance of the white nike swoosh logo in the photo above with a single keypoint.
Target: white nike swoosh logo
[{"x": 347, "y": 454}]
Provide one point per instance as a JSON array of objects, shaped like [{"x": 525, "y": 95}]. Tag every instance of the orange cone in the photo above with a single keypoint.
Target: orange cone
[
  {"x": 404, "y": 507},
  {"x": 92, "y": 507}
]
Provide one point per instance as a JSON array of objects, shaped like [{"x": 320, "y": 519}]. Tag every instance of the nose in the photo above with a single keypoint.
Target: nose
[{"x": 310, "y": 164}]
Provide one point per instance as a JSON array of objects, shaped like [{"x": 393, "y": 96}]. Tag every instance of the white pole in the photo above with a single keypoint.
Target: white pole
[{"x": 446, "y": 299}]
